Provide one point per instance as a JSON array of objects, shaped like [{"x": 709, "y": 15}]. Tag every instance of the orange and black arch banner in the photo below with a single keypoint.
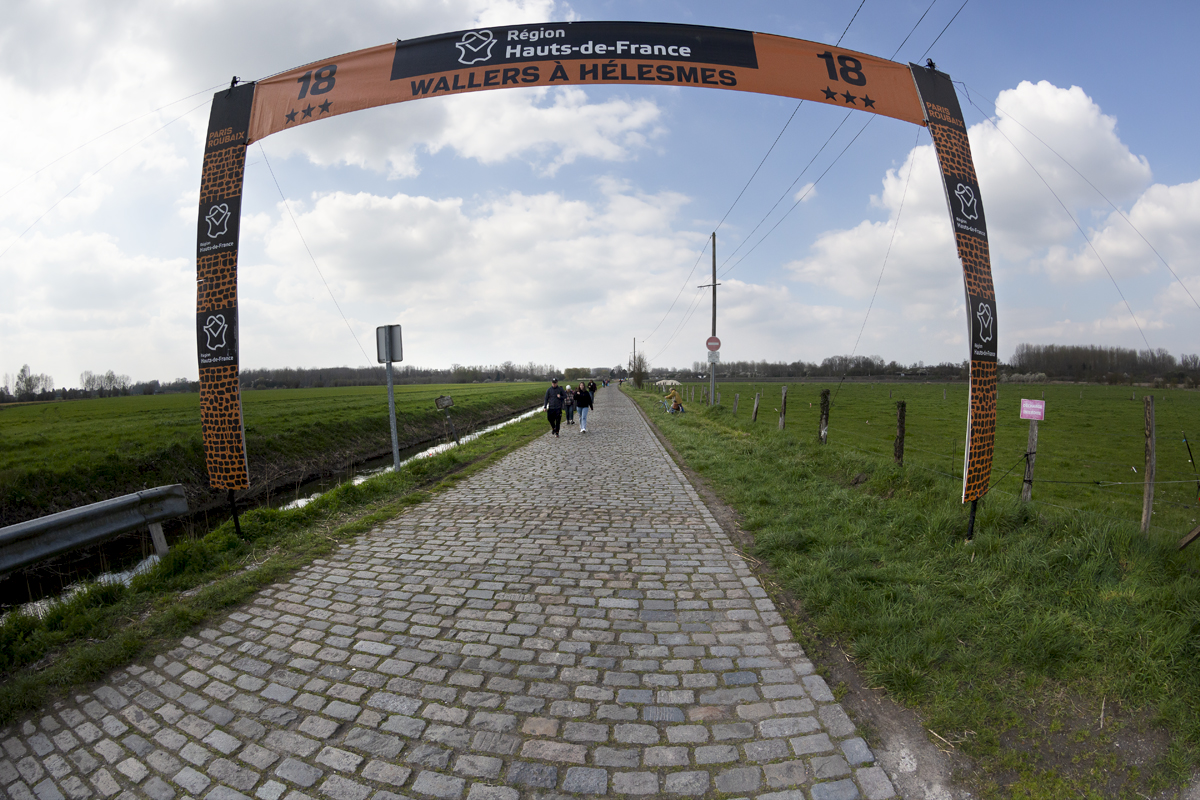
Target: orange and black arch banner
[
  {"x": 944, "y": 118},
  {"x": 511, "y": 57},
  {"x": 216, "y": 288}
]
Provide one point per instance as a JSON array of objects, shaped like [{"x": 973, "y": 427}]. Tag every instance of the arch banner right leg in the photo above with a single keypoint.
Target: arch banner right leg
[{"x": 943, "y": 115}]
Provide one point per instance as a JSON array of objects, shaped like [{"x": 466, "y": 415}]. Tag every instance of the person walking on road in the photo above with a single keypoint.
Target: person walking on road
[
  {"x": 569, "y": 406},
  {"x": 592, "y": 391},
  {"x": 583, "y": 401},
  {"x": 553, "y": 405}
]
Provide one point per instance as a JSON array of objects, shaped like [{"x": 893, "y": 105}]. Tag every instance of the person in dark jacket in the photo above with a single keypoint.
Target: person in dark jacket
[
  {"x": 569, "y": 405},
  {"x": 592, "y": 389},
  {"x": 583, "y": 402},
  {"x": 553, "y": 405}
]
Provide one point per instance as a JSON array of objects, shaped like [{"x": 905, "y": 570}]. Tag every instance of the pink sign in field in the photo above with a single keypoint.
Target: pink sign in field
[{"x": 1033, "y": 409}]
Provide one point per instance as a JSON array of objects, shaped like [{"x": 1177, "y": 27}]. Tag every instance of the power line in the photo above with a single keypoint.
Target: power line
[
  {"x": 94, "y": 174},
  {"x": 802, "y": 197},
  {"x": 912, "y": 167},
  {"x": 786, "y": 192},
  {"x": 287, "y": 206},
  {"x": 948, "y": 24},
  {"x": 770, "y": 150},
  {"x": 823, "y": 146},
  {"x": 703, "y": 250},
  {"x": 1075, "y": 169},
  {"x": 1078, "y": 227},
  {"x": 914, "y": 30},
  {"x": 45, "y": 167}
]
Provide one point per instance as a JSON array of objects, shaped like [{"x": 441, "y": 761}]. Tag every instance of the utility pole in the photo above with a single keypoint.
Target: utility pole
[{"x": 712, "y": 365}]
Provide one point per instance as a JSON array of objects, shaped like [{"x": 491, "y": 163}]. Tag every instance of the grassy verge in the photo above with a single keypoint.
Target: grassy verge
[
  {"x": 1058, "y": 652},
  {"x": 1091, "y": 446},
  {"x": 55, "y": 456},
  {"x": 106, "y": 627}
]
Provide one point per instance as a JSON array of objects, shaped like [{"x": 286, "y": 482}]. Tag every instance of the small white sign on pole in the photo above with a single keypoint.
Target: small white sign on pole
[
  {"x": 1033, "y": 409},
  {"x": 714, "y": 356}
]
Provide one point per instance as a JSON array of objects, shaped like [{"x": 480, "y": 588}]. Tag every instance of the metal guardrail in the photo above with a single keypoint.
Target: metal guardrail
[{"x": 37, "y": 539}]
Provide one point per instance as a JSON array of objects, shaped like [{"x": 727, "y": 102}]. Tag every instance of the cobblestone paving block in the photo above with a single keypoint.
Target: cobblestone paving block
[{"x": 569, "y": 622}]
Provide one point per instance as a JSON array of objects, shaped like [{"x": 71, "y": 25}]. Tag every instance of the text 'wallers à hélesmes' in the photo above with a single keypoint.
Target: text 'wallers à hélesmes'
[{"x": 610, "y": 71}]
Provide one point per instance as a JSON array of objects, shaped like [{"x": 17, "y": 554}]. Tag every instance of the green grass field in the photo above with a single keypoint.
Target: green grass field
[
  {"x": 1091, "y": 446},
  {"x": 64, "y": 454},
  {"x": 1059, "y": 650},
  {"x": 106, "y": 626}
]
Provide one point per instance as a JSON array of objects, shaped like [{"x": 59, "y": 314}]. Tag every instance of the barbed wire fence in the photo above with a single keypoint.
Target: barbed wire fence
[{"x": 1091, "y": 450}]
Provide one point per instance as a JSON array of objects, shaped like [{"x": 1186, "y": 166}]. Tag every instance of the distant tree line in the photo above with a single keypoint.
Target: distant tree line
[
  {"x": 831, "y": 367},
  {"x": 1106, "y": 364},
  {"x": 27, "y": 386},
  {"x": 318, "y": 377},
  {"x": 1030, "y": 363}
]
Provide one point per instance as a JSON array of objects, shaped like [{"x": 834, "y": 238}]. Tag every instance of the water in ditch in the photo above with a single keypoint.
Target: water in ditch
[{"x": 119, "y": 560}]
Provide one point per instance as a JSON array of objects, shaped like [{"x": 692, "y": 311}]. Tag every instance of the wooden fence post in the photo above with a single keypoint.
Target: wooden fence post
[
  {"x": 823, "y": 431},
  {"x": 899, "y": 448},
  {"x": 718, "y": 398},
  {"x": 1030, "y": 456},
  {"x": 736, "y": 397},
  {"x": 782, "y": 408},
  {"x": 1148, "y": 493},
  {"x": 754, "y": 414}
]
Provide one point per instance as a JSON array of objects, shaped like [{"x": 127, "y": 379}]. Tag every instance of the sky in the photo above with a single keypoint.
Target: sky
[{"x": 558, "y": 225}]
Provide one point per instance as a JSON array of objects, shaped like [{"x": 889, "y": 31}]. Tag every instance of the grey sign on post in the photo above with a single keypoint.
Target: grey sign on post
[
  {"x": 389, "y": 348},
  {"x": 444, "y": 402}
]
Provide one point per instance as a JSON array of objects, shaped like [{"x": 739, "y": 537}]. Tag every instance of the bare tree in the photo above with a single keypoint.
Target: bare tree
[{"x": 639, "y": 367}]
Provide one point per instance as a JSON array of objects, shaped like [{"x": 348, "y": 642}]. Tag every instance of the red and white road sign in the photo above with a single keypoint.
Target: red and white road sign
[{"x": 713, "y": 343}]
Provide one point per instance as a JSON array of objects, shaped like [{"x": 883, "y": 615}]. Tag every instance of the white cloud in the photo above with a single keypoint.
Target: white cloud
[
  {"x": 81, "y": 302},
  {"x": 1030, "y": 234},
  {"x": 547, "y": 127},
  {"x": 510, "y": 277}
]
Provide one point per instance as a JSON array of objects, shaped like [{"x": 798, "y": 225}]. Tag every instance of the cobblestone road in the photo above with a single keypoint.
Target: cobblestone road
[{"x": 568, "y": 622}]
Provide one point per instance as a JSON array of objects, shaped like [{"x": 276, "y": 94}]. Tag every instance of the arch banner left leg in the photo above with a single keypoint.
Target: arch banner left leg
[
  {"x": 944, "y": 117},
  {"x": 216, "y": 288}
]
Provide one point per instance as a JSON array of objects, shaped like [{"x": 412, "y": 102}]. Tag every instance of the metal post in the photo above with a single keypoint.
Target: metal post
[
  {"x": 712, "y": 366},
  {"x": 1030, "y": 456},
  {"x": 754, "y": 414},
  {"x": 237, "y": 526},
  {"x": 782, "y": 408},
  {"x": 1148, "y": 492},
  {"x": 392, "y": 414},
  {"x": 971, "y": 521}
]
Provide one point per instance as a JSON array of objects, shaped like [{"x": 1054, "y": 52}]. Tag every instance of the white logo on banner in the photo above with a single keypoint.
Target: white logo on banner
[
  {"x": 966, "y": 199},
  {"x": 218, "y": 220},
  {"x": 475, "y": 46},
  {"x": 215, "y": 327},
  {"x": 984, "y": 315}
]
